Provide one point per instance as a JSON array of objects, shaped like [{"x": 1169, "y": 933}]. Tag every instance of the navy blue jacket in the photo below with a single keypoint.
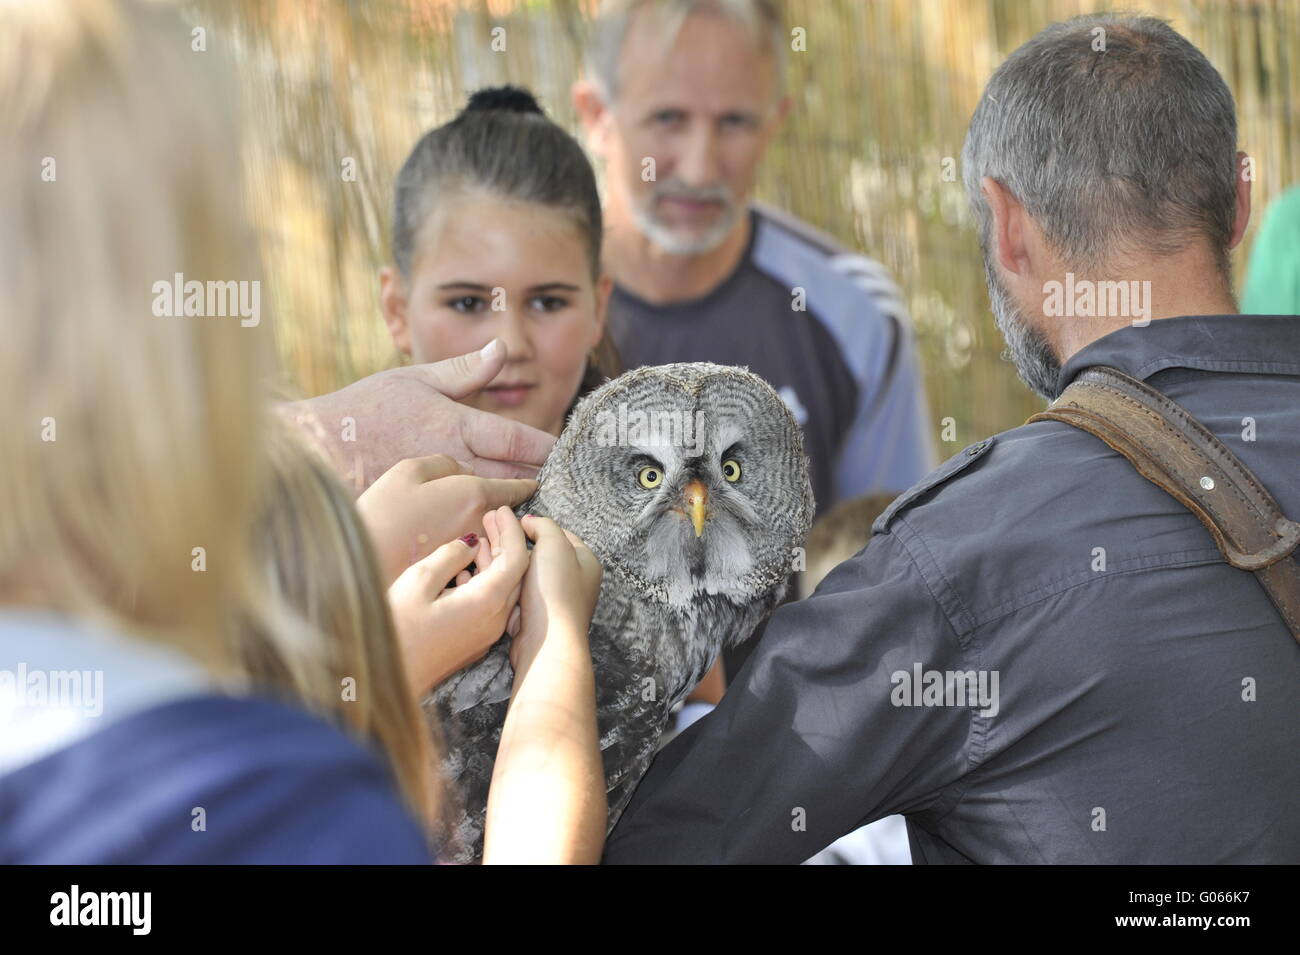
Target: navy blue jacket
[
  {"x": 1147, "y": 699},
  {"x": 275, "y": 785}
]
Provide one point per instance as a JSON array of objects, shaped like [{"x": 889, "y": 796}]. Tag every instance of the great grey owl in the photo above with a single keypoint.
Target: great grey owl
[{"x": 690, "y": 485}]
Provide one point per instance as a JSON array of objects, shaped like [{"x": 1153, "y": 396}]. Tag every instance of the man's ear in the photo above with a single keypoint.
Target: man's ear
[
  {"x": 392, "y": 299},
  {"x": 592, "y": 113},
  {"x": 1009, "y": 231},
  {"x": 1241, "y": 217}
]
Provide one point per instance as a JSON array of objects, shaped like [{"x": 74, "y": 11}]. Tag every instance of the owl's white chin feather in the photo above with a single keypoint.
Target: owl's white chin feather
[{"x": 717, "y": 563}]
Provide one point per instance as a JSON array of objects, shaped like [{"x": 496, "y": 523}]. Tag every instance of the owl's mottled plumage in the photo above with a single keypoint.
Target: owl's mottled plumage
[{"x": 671, "y": 597}]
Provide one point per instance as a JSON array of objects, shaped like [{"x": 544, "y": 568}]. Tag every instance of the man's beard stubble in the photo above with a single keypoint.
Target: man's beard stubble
[
  {"x": 669, "y": 239},
  {"x": 1035, "y": 362}
]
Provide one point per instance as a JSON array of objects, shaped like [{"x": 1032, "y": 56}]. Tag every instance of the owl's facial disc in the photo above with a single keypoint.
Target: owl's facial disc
[
  {"x": 698, "y": 525},
  {"x": 686, "y": 480}
]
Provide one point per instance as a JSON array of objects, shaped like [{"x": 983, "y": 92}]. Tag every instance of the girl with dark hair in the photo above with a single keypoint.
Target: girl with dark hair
[{"x": 497, "y": 234}]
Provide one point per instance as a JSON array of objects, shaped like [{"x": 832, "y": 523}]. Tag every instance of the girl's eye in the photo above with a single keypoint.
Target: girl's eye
[
  {"x": 467, "y": 303},
  {"x": 650, "y": 477},
  {"x": 731, "y": 470},
  {"x": 549, "y": 303}
]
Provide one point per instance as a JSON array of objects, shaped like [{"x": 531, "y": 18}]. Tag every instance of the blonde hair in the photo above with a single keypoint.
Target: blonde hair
[
  {"x": 134, "y": 444},
  {"x": 318, "y": 559},
  {"x": 131, "y": 441}
]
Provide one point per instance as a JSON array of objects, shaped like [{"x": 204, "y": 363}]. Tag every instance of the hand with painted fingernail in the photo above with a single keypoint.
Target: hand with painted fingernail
[
  {"x": 451, "y": 606},
  {"x": 422, "y": 502}
]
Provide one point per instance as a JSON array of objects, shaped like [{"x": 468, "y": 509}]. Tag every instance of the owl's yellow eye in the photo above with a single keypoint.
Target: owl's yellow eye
[
  {"x": 650, "y": 477},
  {"x": 731, "y": 470}
]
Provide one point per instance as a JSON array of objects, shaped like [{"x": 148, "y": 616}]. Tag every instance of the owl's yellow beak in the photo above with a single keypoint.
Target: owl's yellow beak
[{"x": 696, "y": 496}]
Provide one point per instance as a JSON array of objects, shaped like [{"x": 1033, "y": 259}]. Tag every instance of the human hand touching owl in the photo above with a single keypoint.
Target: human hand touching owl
[{"x": 448, "y": 615}]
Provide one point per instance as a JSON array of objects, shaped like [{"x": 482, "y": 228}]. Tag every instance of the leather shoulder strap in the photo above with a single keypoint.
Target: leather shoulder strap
[{"x": 1174, "y": 451}]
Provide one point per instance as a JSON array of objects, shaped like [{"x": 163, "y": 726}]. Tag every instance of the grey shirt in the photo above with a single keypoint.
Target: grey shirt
[{"x": 1147, "y": 698}]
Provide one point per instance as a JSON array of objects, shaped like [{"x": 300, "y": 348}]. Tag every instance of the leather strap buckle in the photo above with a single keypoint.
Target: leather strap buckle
[{"x": 1288, "y": 532}]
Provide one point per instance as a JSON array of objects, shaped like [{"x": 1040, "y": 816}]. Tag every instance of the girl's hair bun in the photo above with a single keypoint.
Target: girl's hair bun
[{"x": 512, "y": 98}]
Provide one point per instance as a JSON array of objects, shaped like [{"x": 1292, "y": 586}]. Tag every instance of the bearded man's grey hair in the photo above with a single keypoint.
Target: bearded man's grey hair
[
  {"x": 608, "y": 32},
  {"x": 1116, "y": 134}
]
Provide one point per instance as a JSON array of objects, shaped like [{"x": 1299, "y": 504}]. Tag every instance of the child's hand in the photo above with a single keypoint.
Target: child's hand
[
  {"x": 442, "y": 628},
  {"x": 421, "y": 502},
  {"x": 559, "y": 589}
]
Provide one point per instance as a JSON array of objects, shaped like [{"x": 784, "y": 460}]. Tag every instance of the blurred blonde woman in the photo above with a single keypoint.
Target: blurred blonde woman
[
  {"x": 135, "y": 621},
  {"x": 132, "y": 475}
]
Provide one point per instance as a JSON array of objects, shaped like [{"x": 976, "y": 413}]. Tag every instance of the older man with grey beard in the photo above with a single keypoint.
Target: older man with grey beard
[{"x": 1132, "y": 696}]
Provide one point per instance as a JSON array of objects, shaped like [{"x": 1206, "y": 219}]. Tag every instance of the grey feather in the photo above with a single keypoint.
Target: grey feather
[{"x": 671, "y": 599}]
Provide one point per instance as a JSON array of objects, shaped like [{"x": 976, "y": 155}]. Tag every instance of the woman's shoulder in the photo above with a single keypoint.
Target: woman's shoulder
[
  {"x": 208, "y": 779},
  {"x": 117, "y": 751}
]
